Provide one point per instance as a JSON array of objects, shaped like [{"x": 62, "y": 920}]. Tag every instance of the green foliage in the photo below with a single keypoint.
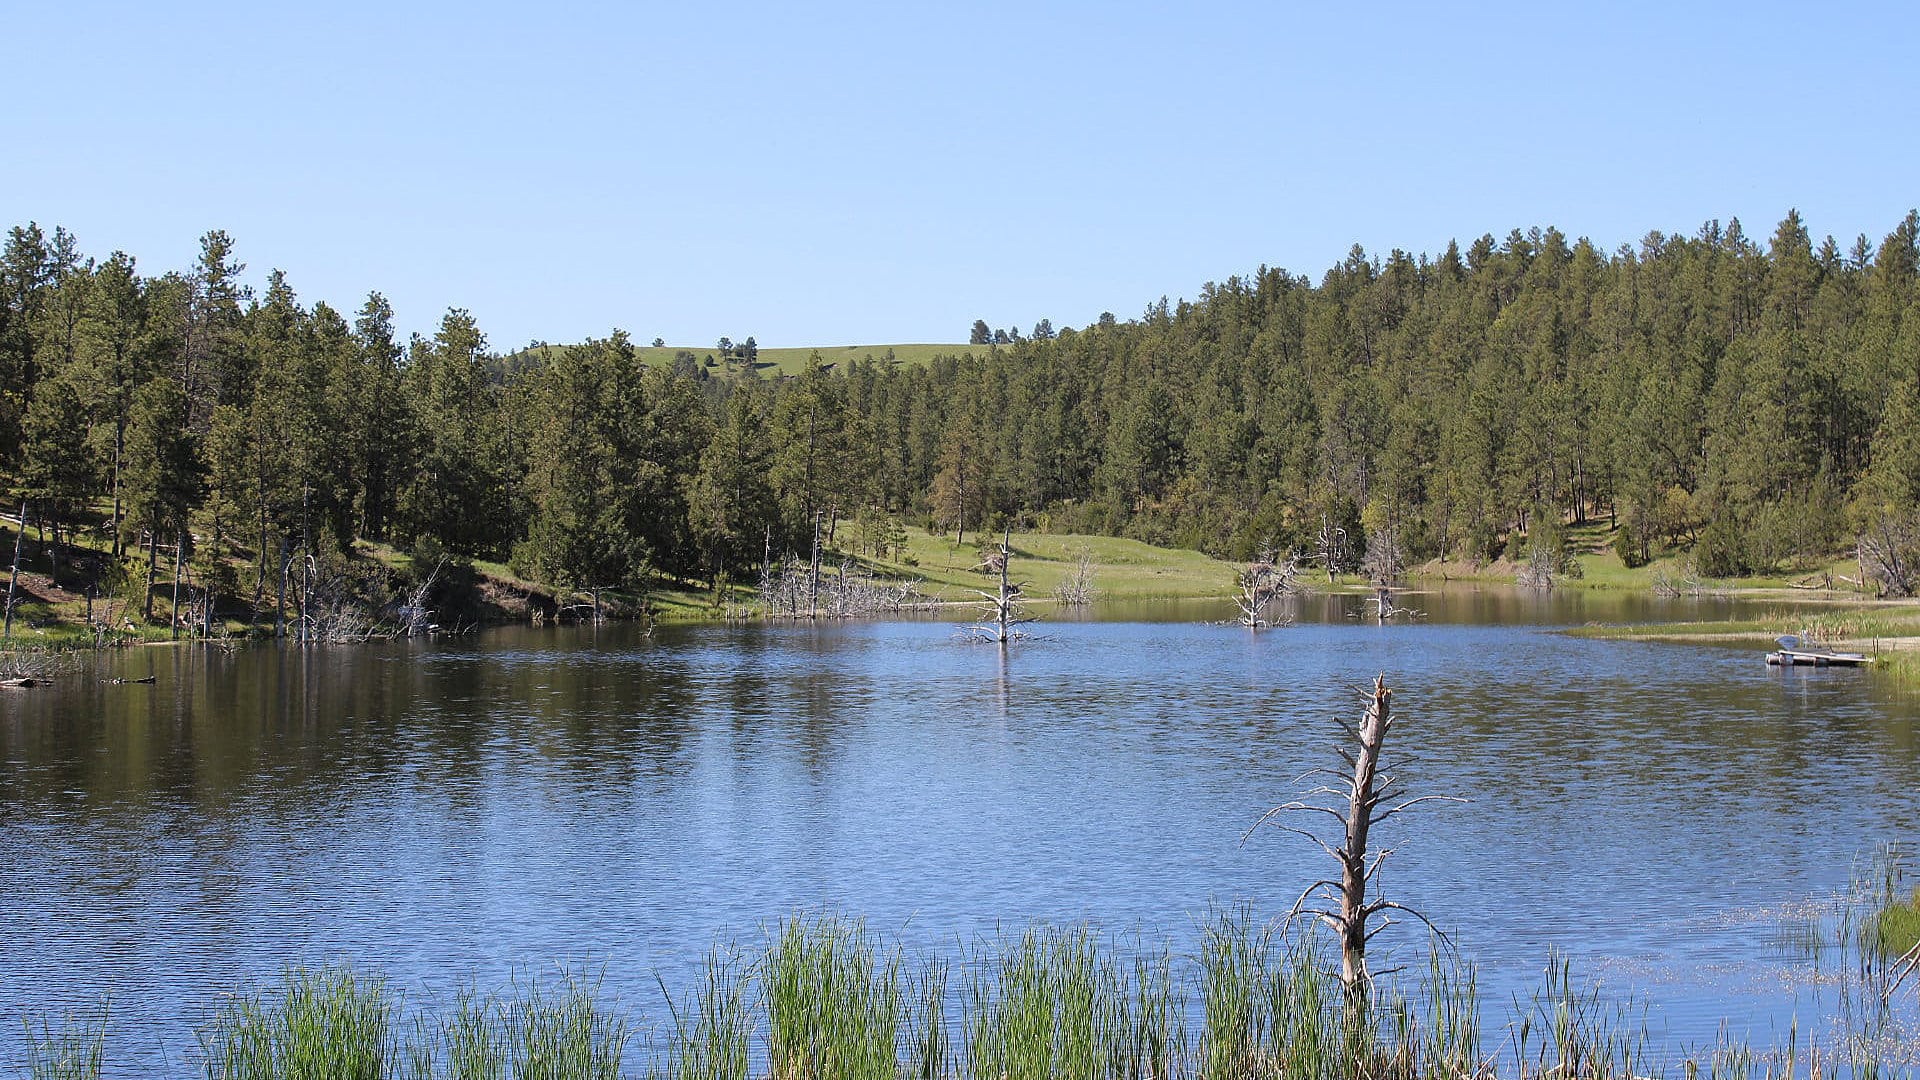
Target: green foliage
[
  {"x": 1720, "y": 552},
  {"x": 1756, "y": 403},
  {"x": 550, "y": 1034},
  {"x": 710, "y": 1031},
  {"x": 597, "y": 466},
  {"x": 1630, "y": 544},
  {"x": 323, "y": 1024},
  {"x": 75, "y": 1051},
  {"x": 836, "y": 1003},
  {"x": 1897, "y": 927}
]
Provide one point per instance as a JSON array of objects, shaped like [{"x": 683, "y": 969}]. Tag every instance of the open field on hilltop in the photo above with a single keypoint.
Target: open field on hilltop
[
  {"x": 772, "y": 362},
  {"x": 792, "y": 361}
]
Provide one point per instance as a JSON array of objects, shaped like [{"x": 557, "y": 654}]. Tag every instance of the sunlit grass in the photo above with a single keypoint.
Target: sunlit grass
[
  {"x": 327, "y": 1024},
  {"x": 824, "y": 998},
  {"x": 76, "y": 1050}
]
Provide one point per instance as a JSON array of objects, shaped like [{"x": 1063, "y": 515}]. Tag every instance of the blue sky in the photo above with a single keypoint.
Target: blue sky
[{"x": 891, "y": 172}]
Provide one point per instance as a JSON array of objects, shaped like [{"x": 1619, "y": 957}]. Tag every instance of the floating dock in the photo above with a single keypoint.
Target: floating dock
[{"x": 1797, "y": 653}]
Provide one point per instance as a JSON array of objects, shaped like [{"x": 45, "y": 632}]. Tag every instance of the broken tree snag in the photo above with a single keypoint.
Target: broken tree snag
[
  {"x": 1006, "y": 609},
  {"x": 1370, "y": 797},
  {"x": 1262, "y": 584},
  {"x": 1331, "y": 548}
]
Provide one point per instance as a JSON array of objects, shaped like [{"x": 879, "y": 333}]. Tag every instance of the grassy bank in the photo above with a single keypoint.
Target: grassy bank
[
  {"x": 1590, "y": 547},
  {"x": 1888, "y": 631},
  {"x": 481, "y": 591},
  {"x": 824, "y": 997}
]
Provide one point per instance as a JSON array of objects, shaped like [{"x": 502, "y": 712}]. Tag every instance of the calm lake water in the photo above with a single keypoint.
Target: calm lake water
[{"x": 479, "y": 806}]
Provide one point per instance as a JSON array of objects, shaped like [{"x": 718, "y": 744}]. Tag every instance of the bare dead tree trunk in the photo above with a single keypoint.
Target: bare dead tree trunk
[
  {"x": 1361, "y": 800},
  {"x": 153, "y": 556},
  {"x": 1005, "y": 611},
  {"x": 173, "y": 616},
  {"x": 1004, "y": 605},
  {"x": 1261, "y": 584},
  {"x": 13, "y": 577},
  {"x": 1343, "y": 906},
  {"x": 53, "y": 551},
  {"x": 813, "y": 574},
  {"x": 280, "y": 602}
]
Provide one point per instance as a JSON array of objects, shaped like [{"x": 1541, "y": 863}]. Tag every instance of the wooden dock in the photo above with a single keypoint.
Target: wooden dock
[{"x": 1795, "y": 652}]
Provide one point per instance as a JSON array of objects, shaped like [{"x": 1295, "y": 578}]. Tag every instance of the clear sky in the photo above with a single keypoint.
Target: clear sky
[{"x": 839, "y": 173}]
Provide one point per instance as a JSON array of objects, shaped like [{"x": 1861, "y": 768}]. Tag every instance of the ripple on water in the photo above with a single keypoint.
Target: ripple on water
[{"x": 519, "y": 798}]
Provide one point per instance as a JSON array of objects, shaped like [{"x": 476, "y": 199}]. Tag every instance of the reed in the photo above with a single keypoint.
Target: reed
[
  {"x": 74, "y": 1051},
  {"x": 835, "y": 1002},
  {"x": 929, "y": 1045},
  {"x": 325, "y": 1024},
  {"x": 1241, "y": 1003},
  {"x": 1053, "y": 1002},
  {"x": 1579, "y": 1033},
  {"x": 552, "y": 1033},
  {"x": 711, "y": 1030},
  {"x": 472, "y": 1038}
]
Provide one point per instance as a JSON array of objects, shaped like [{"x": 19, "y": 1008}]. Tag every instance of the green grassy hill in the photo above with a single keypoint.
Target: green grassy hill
[{"x": 791, "y": 361}]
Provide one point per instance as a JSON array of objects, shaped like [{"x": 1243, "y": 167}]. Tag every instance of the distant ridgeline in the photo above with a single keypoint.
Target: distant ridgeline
[{"x": 1750, "y": 403}]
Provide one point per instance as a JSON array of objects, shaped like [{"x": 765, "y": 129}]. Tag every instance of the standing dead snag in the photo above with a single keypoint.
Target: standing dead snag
[
  {"x": 1261, "y": 584},
  {"x": 1005, "y": 610},
  {"x": 1342, "y": 903},
  {"x": 1331, "y": 548}
]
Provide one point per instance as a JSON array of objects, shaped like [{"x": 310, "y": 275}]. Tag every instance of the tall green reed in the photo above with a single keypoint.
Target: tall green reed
[
  {"x": 324, "y": 1024},
  {"x": 560, "y": 1032},
  {"x": 712, "y": 1028},
  {"x": 835, "y": 1002},
  {"x": 74, "y": 1051}
]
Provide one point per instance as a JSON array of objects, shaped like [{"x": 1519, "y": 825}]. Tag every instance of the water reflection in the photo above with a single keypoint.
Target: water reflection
[{"x": 457, "y": 807}]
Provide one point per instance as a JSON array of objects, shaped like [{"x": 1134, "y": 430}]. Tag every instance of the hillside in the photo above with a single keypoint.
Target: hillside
[{"x": 770, "y": 362}]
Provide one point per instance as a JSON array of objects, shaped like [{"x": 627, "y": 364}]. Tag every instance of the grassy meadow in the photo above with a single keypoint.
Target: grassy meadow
[{"x": 772, "y": 362}]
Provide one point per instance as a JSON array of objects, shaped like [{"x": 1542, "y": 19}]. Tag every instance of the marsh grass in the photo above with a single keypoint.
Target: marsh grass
[
  {"x": 74, "y": 1051},
  {"x": 471, "y": 1040},
  {"x": 835, "y": 1001},
  {"x": 712, "y": 1029},
  {"x": 1897, "y": 928},
  {"x": 1570, "y": 1030},
  {"x": 558, "y": 1032},
  {"x": 1064, "y": 1002},
  {"x": 824, "y": 998},
  {"x": 324, "y": 1024}
]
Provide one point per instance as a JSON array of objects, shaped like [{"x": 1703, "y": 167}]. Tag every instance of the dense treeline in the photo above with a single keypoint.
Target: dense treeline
[{"x": 1753, "y": 404}]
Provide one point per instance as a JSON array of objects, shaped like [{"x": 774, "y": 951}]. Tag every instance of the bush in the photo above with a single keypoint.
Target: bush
[
  {"x": 1632, "y": 550},
  {"x": 1719, "y": 552}
]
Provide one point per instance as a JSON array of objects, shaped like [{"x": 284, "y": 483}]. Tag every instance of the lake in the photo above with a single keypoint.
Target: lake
[{"x": 476, "y": 807}]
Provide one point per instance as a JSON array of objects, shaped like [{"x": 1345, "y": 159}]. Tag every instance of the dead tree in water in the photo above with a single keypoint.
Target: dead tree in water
[
  {"x": 1331, "y": 548},
  {"x": 1005, "y": 609},
  {"x": 13, "y": 577},
  {"x": 1262, "y": 584},
  {"x": 1341, "y": 903}
]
